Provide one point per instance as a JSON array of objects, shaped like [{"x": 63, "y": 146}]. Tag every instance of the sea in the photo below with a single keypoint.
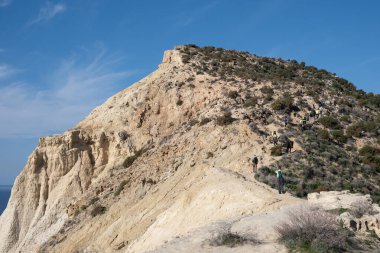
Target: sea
[{"x": 5, "y": 193}]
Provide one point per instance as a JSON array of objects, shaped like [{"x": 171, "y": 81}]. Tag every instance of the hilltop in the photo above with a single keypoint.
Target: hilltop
[{"x": 171, "y": 154}]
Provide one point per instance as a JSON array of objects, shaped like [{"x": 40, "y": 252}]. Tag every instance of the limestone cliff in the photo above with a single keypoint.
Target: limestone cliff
[{"x": 167, "y": 155}]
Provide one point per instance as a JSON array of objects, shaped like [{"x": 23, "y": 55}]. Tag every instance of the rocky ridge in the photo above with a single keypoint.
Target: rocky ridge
[{"x": 169, "y": 154}]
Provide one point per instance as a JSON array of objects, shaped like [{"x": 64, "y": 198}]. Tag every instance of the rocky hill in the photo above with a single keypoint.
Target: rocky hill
[{"x": 171, "y": 154}]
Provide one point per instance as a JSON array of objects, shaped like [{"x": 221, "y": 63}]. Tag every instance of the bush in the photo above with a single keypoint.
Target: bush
[
  {"x": 120, "y": 188},
  {"x": 129, "y": 160},
  {"x": 359, "y": 127},
  {"x": 204, "y": 121},
  {"x": 360, "y": 208},
  {"x": 284, "y": 103},
  {"x": 231, "y": 240},
  {"x": 225, "y": 119},
  {"x": 98, "y": 210},
  {"x": 330, "y": 122},
  {"x": 250, "y": 102},
  {"x": 179, "y": 102},
  {"x": 323, "y": 134},
  {"x": 267, "y": 90},
  {"x": 313, "y": 230},
  {"x": 339, "y": 136},
  {"x": 371, "y": 156},
  {"x": 276, "y": 151},
  {"x": 233, "y": 94}
]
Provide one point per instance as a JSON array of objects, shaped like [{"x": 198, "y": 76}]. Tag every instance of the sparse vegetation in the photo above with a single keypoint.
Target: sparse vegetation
[
  {"x": 98, "y": 210},
  {"x": 310, "y": 229},
  {"x": 330, "y": 122},
  {"x": 129, "y": 160},
  {"x": 232, "y": 240},
  {"x": 250, "y": 102},
  {"x": 225, "y": 119},
  {"x": 120, "y": 188},
  {"x": 276, "y": 151}
]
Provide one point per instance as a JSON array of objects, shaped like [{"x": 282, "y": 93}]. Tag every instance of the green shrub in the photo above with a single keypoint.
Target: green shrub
[
  {"x": 233, "y": 94},
  {"x": 276, "y": 151},
  {"x": 250, "y": 102},
  {"x": 310, "y": 229},
  {"x": 267, "y": 90},
  {"x": 323, "y": 134},
  {"x": 284, "y": 103},
  {"x": 345, "y": 118},
  {"x": 120, "y": 187},
  {"x": 129, "y": 160},
  {"x": 204, "y": 121},
  {"x": 232, "y": 240},
  {"x": 179, "y": 102},
  {"x": 330, "y": 122},
  {"x": 225, "y": 119},
  {"x": 359, "y": 127},
  {"x": 371, "y": 156},
  {"x": 339, "y": 136},
  {"x": 98, "y": 210},
  {"x": 93, "y": 201}
]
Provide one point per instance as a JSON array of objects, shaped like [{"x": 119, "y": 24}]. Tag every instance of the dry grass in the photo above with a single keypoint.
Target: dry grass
[{"x": 311, "y": 229}]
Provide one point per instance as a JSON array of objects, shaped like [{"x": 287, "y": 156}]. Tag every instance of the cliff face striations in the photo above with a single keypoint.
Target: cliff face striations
[{"x": 171, "y": 154}]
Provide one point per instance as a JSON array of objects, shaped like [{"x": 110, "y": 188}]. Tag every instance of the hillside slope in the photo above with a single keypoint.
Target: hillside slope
[{"x": 172, "y": 152}]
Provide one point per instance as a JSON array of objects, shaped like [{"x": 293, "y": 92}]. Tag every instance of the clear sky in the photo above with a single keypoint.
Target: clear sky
[{"x": 59, "y": 59}]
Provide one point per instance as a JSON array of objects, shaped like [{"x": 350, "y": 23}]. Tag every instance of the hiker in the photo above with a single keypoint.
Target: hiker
[
  {"x": 286, "y": 120},
  {"x": 255, "y": 161},
  {"x": 274, "y": 138},
  {"x": 321, "y": 111},
  {"x": 289, "y": 146},
  {"x": 280, "y": 180},
  {"x": 317, "y": 113},
  {"x": 312, "y": 113}
]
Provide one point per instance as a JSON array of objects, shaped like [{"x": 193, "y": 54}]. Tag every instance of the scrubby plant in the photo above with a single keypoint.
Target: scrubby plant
[
  {"x": 233, "y": 94},
  {"x": 283, "y": 103},
  {"x": 358, "y": 128},
  {"x": 360, "y": 208},
  {"x": 204, "y": 121},
  {"x": 120, "y": 188},
  {"x": 276, "y": 150},
  {"x": 311, "y": 229},
  {"x": 330, "y": 122},
  {"x": 371, "y": 156},
  {"x": 225, "y": 119},
  {"x": 129, "y": 160},
  {"x": 267, "y": 90},
  {"x": 250, "y": 102},
  {"x": 323, "y": 134},
  {"x": 231, "y": 240},
  {"x": 98, "y": 210},
  {"x": 339, "y": 136}
]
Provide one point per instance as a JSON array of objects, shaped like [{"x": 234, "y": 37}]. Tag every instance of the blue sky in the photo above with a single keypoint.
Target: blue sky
[{"x": 59, "y": 59}]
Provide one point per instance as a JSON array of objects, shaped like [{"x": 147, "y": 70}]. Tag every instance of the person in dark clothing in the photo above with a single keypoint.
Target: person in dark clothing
[
  {"x": 255, "y": 161},
  {"x": 280, "y": 180},
  {"x": 286, "y": 120},
  {"x": 289, "y": 146}
]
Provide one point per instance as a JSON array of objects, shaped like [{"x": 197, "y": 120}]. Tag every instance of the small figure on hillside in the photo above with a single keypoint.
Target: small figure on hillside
[
  {"x": 280, "y": 180},
  {"x": 289, "y": 146},
  {"x": 317, "y": 113},
  {"x": 286, "y": 120},
  {"x": 274, "y": 138},
  {"x": 255, "y": 161},
  {"x": 321, "y": 111},
  {"x": 312, "y": 113}
]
